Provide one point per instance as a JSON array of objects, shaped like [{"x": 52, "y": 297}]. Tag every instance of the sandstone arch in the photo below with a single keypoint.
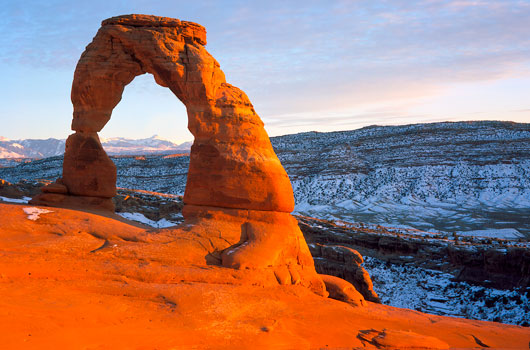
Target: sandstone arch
[
  {"x": 232, "y": 162},
  {"x": 238, "y": 196}
]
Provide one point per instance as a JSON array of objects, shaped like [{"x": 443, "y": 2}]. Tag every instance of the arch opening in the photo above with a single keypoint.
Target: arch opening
[
  {"x": 147, "y": 109},
  {"x": 152, "y": 116}
]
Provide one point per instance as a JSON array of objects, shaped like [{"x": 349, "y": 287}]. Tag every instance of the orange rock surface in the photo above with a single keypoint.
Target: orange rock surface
[
  {"x": 87, "y": 170},
  {"x": 75, "y": 280}
]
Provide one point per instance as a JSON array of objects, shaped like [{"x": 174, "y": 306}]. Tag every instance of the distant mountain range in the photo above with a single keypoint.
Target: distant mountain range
[{"x": 31, "y": 148}]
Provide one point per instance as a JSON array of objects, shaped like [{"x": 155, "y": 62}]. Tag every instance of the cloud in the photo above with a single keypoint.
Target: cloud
[
  {"x": 349, "y": 51},
  {"x": 292, "y": 123}
]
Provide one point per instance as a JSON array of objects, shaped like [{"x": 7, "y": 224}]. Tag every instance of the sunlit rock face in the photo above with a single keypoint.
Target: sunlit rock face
[
  {"x": 125, "y": 287},
  {"x": 234, "y": 175},
  {"x": 232, "y": 162}
]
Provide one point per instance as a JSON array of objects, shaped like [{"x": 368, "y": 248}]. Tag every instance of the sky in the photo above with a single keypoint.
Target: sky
[{"x": 305, "y": 65}]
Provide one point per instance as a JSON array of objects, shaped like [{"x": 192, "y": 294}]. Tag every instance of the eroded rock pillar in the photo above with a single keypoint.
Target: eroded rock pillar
[
  {"x": 87, "y": 169},
  {"x": 89, "y": 176}
]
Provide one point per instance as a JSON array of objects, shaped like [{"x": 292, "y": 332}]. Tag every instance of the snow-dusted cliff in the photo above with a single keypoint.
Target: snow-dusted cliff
[{"x": 472, "y": 177}]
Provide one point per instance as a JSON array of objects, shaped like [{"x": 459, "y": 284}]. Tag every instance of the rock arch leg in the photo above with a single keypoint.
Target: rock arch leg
[{"x": 89, "y": 175}]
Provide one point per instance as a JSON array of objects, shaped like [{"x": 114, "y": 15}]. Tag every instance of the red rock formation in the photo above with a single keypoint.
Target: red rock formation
[
  {"x": 234, "y": 175},
  {"x": 344, "y": 262},
  {"x": 232, "y": 162},
  {"x": 87, "y": 170}
]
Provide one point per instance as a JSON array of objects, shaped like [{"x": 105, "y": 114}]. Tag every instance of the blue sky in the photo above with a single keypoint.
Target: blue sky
[{"x": 306, "y": 65}]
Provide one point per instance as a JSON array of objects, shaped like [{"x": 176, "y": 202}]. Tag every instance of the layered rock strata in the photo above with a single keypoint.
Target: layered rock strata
[{"x": 496, "y": 263}]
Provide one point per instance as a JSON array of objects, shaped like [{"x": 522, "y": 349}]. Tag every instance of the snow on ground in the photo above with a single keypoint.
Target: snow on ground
[
  {"x": 34, "y": 213},
  {"x": 431, "y": 291},
  {"x": 15, "y": 200},
  {"x": 468, "y": 219},
  {"x": 142, "y": 219},
  {"x": 468, "y": 179},
  {"x": 503, "y": 233}
]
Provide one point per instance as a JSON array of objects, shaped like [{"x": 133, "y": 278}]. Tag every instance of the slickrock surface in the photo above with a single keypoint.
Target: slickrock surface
[{"x": 72, "y": 280}]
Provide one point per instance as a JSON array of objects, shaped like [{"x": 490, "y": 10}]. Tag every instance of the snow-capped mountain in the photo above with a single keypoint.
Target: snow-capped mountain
[
  {"x": 115, "y": 146},
  {"x": 151, "y": 145},
  {"x": 30, "y": 148}
]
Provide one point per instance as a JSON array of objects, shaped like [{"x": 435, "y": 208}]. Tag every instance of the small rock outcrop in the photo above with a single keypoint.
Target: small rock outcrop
[
  {"x": 342, "y": 290},
  {"x": 344, "y": 262},
  {"x": 23, "y": 188},
  {"x": 9, "y": 190},
  {"x": 237, "y": 195}
]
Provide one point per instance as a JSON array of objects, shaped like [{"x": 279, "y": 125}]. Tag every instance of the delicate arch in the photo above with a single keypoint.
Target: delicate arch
[
  {"x": 238, "y": 196},
  {"x": 232, "y": 163}
]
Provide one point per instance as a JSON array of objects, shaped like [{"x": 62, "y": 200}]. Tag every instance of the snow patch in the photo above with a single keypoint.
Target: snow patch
[
  {"x": 33, "y": 212},
  {"x": 503, "y": 233},
  {"x": 435, "y": 292},
  {"x": 15, "y": 200},
  {"x": 142, "y": 219}
]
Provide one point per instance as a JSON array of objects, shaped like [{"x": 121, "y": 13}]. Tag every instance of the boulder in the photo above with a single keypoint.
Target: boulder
[
  {"x": 344, "y": 262},
  {"x": 342, "y": 290}
]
